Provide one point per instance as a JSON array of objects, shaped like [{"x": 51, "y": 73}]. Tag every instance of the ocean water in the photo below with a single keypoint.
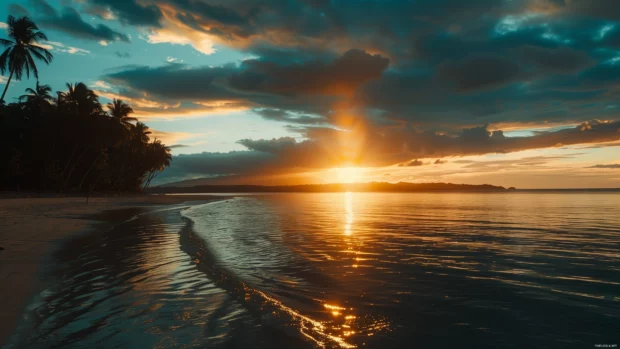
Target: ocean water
[{"x": 343, "y": 270}]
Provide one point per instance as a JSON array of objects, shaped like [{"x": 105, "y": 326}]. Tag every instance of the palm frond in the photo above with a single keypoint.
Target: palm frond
[
  {"x": 6, "y": 43},
  {"x": 4, "y": 59},
  {"x": 41, "y": 53},
  {"x": 32, "y": 65},
  {"x": 39, "y": 36}
]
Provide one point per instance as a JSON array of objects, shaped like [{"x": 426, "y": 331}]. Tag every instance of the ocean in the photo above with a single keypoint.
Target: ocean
[{"x": 342, "y": 270}]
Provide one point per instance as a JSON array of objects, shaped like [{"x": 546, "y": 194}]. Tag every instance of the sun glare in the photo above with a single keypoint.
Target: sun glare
[{"x": 348, "y": 174}]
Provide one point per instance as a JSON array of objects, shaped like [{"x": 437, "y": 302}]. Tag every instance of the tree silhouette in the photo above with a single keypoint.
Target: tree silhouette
[
  {"x": 38, "y": 97},
  {"x": 120, "y": 111},
  {"x": 77, "y": 146},
  {"x": 81, "y": 99},
  {"x": 69, "y": 143},
  {"x": 18, "y": 56}
]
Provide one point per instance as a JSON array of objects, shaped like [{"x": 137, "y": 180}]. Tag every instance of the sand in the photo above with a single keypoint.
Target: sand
[{"x": 31, "y": 228}]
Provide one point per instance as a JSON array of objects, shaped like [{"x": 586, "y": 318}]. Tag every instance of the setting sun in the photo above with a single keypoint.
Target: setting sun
[{"x": 347, "y": 174}]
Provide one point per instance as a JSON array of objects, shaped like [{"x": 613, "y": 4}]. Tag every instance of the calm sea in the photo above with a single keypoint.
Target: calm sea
[{"x": 343, "y": 270}]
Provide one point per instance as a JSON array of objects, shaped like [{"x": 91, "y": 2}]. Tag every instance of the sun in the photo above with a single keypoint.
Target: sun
[{"x": 347, "y": 174}]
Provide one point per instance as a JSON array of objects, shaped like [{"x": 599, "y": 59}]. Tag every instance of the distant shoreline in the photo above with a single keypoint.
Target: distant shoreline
[{"x": 329, "y": 188}]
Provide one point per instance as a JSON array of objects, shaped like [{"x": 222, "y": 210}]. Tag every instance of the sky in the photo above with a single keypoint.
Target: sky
[{"x": 505, "y": 92}]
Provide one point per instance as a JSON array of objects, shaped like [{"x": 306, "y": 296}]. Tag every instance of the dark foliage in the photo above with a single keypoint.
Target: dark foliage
[{"x": 71, "y": 143}]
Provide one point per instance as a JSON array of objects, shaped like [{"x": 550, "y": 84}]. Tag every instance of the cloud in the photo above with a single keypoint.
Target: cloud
[
  {"x": 173, "y": 137},
  {"x": 608, "y": 166},
  {"x": 493, "y": 62},
  {"x": 328, "y": 148},
  {"x": 476, "y": 73},
  {"x": 209, "y": 164},
  {"x": 439, "y": 162},
  {"x": 70, "y": 22},
  {"x": 131, "y": 12},
  {"x": 305, "y": 87},
  {"x": 43, "y": 8},
  {"x": 62, "y": 48},
  {"x": 18, "y": 10},
  {"x": 120, "y": 54},
  {"x": 412, "y": 163},
  {"x": 289, "y": 117},
  {"x": 177, "y": 89},
  {"x": 557, "y": 60},
  {"x": 3, "y": 25},
  {"x": 340, "y": 76}
]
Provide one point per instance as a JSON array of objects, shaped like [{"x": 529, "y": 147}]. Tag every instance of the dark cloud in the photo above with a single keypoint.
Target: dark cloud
[
  {"x": 70, "y": 22},
  {"x": 439, "y": 162},
  {"x": 220, "y": 14},
  {"x": 476, "y": 73},
  {"x": 612, "y": 38},
  {"x": 120, "y": 54},
  {"x": 338, "y": 77},
  {"x": 18, "y": 10},
  {"x": 43, "y": 8},
  {"x": 175, "y": 81},
  {"x": 558, "y": 60},
  {"x": 605, "y": 9},
  {"x": 274, "y": 146},
  {"x": 131, "y": 12},
  {"x": 305, "y": 92},
  {"x": 609, "y": 166},
  {"x": 217, "y": 164},
  {"x": 177, "y": 146}
]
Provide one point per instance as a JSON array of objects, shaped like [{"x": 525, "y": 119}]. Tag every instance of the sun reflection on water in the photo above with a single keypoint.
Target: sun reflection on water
[{"x": 348, "y": 207}]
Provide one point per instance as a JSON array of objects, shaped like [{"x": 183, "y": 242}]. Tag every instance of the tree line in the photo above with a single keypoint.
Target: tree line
[{"x": 70, "y": 141}]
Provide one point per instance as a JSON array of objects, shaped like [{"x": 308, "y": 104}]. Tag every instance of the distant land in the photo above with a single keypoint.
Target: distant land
[{"x": 401, "y": 187}]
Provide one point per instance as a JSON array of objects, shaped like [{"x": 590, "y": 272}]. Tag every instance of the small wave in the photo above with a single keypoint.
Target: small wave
[{"x": 271, "y": 311}]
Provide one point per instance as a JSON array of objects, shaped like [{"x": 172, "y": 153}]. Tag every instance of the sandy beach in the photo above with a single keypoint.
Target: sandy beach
[{"x": 31, "y": 228}]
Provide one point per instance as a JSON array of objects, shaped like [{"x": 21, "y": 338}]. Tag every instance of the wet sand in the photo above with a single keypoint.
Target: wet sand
[{"x": 32, "y": 228}]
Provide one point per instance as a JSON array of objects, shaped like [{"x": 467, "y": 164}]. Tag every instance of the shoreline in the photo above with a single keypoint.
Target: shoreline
[{"x": 34, "y": 227}]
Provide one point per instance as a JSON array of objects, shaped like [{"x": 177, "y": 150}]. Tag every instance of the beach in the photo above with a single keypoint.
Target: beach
[{"x": 33, "y": 227}]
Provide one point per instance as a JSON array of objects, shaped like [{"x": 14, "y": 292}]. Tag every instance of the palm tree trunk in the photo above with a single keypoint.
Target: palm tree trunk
[
  {"x": 66, "y": 181},
  {"x": 62, "y": 174},
  {"x": 89, "y": 170},
  {"x": 7, "y": 85}
]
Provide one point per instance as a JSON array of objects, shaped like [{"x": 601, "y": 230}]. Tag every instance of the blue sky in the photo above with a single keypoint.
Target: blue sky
[{"x": 509, "y": 92}]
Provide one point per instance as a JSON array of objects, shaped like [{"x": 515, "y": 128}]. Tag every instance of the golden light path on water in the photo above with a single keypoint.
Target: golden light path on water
[
  {"x": 326, "y": 333},
  {"x": 348, "y": 205},
  {"x": 316, "y": 330}
]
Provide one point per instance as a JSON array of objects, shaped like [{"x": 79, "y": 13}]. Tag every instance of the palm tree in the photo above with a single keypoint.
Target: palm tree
[
  {"x": 80, "y": 96},
  {"x": 140, "y": 133},
  {"x": 17, "y": 58},
  {"x": 120, "y": 111},
  {"x": 38, "y": 96},
  {"x": 158, "y": 157}
]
